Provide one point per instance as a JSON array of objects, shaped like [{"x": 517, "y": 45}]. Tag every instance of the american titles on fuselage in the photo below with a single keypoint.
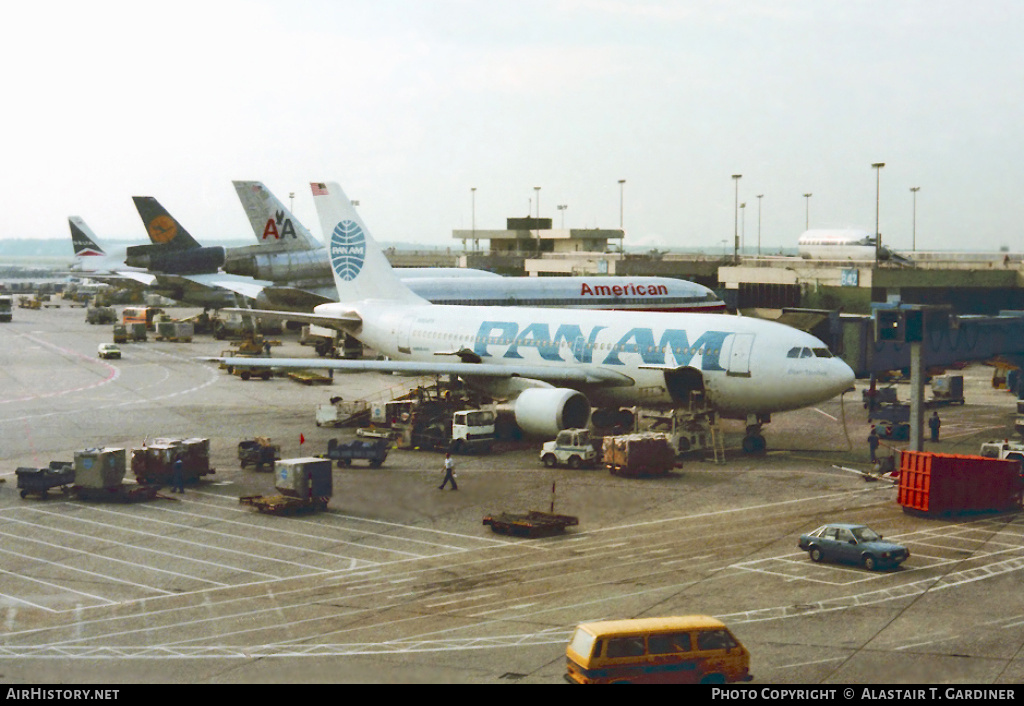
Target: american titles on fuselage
[{"x": 626, "y": 290}]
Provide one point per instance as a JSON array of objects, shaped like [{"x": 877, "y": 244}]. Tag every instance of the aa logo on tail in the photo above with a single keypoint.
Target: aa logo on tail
[{"x": 348, "y": 250}]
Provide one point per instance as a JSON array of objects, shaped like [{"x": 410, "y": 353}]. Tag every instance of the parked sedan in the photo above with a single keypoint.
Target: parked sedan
[{"x": 855, "y": 544}]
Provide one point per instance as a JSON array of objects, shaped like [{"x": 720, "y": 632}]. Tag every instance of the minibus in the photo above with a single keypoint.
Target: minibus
[{"x": 692, "y": 649}]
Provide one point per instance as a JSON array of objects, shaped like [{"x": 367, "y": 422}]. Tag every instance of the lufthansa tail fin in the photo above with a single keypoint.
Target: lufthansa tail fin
[
  {"x": 83, "y": 240},
  {"x": 162, "y": 227},
  {"x": 274, "y": 225},
  {"x": 360, "y": 269}
]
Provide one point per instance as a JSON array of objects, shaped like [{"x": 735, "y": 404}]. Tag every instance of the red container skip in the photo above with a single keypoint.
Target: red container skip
[{"x": 937, "y": 483}]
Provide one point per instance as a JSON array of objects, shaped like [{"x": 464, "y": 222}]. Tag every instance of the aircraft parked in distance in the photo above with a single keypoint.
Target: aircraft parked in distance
[
  {"x": 93, "y": 260},
  {"x": 289, "y": 255},
  {"x": 843, "y": 244},
  {"x": 554, "y": 365},
  {"x": 215, "y": 290},
  {"x": 173, "y": 249}
]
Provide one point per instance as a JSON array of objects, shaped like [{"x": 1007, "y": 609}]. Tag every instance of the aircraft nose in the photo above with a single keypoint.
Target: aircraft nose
[{"x": 841, "y": 377}]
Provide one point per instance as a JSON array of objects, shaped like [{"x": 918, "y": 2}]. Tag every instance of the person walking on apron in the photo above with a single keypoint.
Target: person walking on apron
[{"x": 449, "y": 473}]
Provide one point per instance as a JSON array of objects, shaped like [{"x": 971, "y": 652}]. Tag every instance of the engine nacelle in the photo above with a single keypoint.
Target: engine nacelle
[
  {"x": 160, "y": 258},
  {"x": 292, "y": 266},
  {"x": 546, "y": 411}
]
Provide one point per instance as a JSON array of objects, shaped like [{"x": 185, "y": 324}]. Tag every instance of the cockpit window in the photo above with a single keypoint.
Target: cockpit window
[{"x": 800, "y": 352}]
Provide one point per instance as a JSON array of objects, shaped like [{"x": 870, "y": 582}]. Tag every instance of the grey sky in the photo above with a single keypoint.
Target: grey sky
[{"x": 409, "y": 104}]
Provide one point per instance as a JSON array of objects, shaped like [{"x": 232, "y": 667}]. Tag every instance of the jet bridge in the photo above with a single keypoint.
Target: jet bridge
[
  {"x": 872, "y": 345},
  {"x": 919, "y": 337}
]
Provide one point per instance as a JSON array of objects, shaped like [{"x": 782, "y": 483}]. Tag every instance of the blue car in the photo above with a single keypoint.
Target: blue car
[{"x": 854, "y": 544}]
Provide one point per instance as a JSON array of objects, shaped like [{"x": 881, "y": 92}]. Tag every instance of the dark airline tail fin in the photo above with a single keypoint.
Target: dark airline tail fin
[{"x": 162, "y": 227}]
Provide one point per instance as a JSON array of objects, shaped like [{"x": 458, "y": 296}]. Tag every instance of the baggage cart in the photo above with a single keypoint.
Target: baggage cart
[
  {"x": 530, "y": 524},
  {"x": 124, "y": 493},
  {"x": 153, "y": 464},
  {"x": 39, "y": 481},
  {"x": 373, "y": 450},
  {"x": 284, "y": 505},
  {"x": 637, "y": 455},
  {"x": 259, "y": 452},
  {"x": 311, "y": 377}
]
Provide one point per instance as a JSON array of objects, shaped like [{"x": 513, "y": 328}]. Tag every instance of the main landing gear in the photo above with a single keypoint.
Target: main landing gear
[{"x": 753, "y": 442}]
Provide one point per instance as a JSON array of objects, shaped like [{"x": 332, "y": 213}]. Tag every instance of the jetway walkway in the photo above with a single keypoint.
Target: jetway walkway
[{"x": 966, "y": 338}]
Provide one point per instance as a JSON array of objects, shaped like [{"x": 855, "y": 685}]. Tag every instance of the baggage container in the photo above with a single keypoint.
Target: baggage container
[
  {"x": 304, "y": 478},
  {"x": 948, "y": 389},
  {"x": 154, "y": 462},
  {"x": 175, "y": 331},
  {"x": 937, "y": 483},
  {"x": 99, "y": 468},
  {"x": 645, "y": 454}
]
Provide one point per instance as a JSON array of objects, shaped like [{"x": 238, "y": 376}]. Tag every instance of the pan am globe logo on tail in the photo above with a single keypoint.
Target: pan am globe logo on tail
[{"x": 348, "y": 250}]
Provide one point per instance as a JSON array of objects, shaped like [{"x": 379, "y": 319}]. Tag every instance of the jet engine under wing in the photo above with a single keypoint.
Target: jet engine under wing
[{"x": 578, "y": 375}]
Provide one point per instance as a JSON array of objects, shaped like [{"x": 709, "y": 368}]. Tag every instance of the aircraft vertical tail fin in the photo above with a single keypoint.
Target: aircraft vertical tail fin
[
  {"x": 162, "y": 227},
  {"x": 360, "y": 269},
  {"x": 83, "y": 240},
  {"x": 272, "y": 222}
]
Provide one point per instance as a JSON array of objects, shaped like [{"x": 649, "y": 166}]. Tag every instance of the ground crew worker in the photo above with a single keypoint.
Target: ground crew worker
[
  {"x": 178, "y": 477},
  {"x": 449, "y": 473},
  {"x": 934, "y": 423},
  {"x": 873, "y": 444}
]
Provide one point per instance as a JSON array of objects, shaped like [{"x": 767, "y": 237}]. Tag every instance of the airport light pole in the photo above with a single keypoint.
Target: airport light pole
[
  {"x": 914, "y": 190},
  {"x": 807, "y": 211},
  {"x": 743, "y": 225},
  {"x": 877, "y": 166},
  {"x": 291, "y": 201},
  {"x": 561, "y": 207},
  {"x": 537, "y": 189},
  {"x": 622, "y": 206},
  {"x": 472, "y": 211},
  {"x": 736, "y": 221},
  {"x": 759, "y": 197}
]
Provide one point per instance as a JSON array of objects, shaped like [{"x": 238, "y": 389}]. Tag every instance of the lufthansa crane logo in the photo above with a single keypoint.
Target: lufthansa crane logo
[
  {"x": 348, "y": 250},
  {"x": 162, "y": 229}
]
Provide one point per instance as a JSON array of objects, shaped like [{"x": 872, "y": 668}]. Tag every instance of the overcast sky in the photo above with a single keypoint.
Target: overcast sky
[{"x": 410, "y": 104}]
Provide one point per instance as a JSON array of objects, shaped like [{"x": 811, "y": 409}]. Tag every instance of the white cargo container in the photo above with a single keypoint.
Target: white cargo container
[
  {"x": 100, "y": 468},
  {"x": 304, "y": 478}
]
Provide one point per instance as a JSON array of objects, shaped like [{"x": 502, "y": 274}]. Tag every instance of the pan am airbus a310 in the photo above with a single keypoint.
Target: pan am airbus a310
[{"x": 555, "y": 365}]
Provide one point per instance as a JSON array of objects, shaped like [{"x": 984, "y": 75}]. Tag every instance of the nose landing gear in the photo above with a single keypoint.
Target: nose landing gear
[{"x": 753, "y": 442}]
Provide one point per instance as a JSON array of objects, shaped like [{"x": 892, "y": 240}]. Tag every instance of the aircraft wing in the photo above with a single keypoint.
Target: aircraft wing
[
  {"x": 344, "y": 322},
  {"x": 246, "y": 286},
  {"x": 293, "y": 299},
  {"x": 561, "y": 375},
  {"x": 116, "y": 278}
]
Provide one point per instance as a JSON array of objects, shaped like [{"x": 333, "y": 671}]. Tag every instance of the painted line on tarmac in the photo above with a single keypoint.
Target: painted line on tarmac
[{"x": 112, "y": 373}]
